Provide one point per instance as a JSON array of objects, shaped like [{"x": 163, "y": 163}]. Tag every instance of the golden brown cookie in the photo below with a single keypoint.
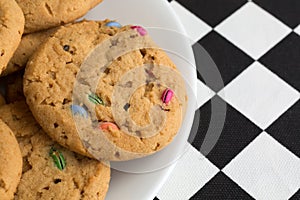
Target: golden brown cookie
[
  {"x": 26, "y": 48},
  {"x": 51, "y": 73},
  {"x": 10, "y": 163},
  {"x": 49, "y": 170},
  {"x": 44, "y": 14},
  {"x": 11, "y": 30}
]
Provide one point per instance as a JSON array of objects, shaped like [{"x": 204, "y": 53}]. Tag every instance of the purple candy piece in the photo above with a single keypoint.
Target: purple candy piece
[
  {"x": 167, "y": 96},
  {"x": 140, "y": 29}
]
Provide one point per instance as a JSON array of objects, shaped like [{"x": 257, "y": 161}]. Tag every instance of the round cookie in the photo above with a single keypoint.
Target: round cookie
[
  {"x": 51, "y": 73},
  {"x": 42, "y": 178},
  {"x": 44, "y": 14},
  {"x": 11, "y": 26},
  {"x": 28, "y": 45},
  {"x": 10, "y": 163}
]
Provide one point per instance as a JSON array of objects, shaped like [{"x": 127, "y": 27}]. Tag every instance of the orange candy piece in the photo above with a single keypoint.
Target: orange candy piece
[{"x": 107, "y": 125}]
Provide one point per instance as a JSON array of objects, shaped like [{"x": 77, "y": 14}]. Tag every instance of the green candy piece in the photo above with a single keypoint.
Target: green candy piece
[
  {"x": 58, "y": 158},
  {"x": 95, "y": 99}
]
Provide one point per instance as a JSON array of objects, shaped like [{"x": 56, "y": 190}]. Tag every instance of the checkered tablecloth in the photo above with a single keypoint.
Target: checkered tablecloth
[{"x": 256, "y": 47}]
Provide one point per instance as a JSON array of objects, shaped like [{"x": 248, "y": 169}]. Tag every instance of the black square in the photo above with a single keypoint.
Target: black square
[
  {"x": 287, "y": 11},
  {"x": 236, "y": 134},
  {"x": 156, "y": 198},
  {"x": 221, "y": 187},
  {"x": 296, "y": 196},
  {"x": 284, "y": 59},
  {"x": 230, "y": 60},
  {"x": 286, "y": 129},
  {"x": 212, "y": 11}
]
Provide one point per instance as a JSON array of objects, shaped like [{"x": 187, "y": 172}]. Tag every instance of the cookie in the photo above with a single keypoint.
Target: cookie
[
  {"x": 10, "y": 163},
  {"x": 52, "y": 72},
  {"x": 11, "y": 30},
  {"x": 49, "y": 170},
  {"x": 28, "y": 45},
  {"x": 44, "y": 14}
]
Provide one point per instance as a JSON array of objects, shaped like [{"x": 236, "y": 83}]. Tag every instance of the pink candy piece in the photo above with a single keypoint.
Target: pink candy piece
[
  {"x": 167, "y": 96},
  {"x": 140, "y": 29}
]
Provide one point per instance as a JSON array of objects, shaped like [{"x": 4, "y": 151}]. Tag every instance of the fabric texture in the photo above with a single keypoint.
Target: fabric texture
[{"x": 256, "y": 47}]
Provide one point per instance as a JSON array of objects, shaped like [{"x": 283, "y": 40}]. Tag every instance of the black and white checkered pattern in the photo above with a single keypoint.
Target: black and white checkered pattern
[{"x": 256, "y": 46}]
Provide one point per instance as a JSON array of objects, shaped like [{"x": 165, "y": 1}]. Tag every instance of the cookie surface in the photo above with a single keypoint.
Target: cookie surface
[
  {"x": 10, "y": 162},
  {"x": 81, "y": 178},
  {"x": 44, "y": 14},
  {"x": 11, "y": 26},
  {"x": 49, "y": 80},
  {"x": 28, "y": 45}
]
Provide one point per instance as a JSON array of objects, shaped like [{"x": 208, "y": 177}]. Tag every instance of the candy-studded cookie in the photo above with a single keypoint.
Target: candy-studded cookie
[
  {"x": 11, "y": 30},
  {"x": 44, "y": 14},
  {"x": 105, "y": 91},
  {"x": 28, "y": 45},
  {"x": 10, "y": 162},
  {"x": 49, "y": 170}
]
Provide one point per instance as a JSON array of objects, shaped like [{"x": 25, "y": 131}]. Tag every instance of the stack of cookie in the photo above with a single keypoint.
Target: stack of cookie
[{"x": 76, "y": 95}]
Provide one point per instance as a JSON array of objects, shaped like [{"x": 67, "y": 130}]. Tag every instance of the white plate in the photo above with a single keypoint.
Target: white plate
[{"x": 128, "y": 182}]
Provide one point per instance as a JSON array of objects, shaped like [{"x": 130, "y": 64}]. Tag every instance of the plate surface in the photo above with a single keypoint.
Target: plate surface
[{"x": 141, "y": 179}]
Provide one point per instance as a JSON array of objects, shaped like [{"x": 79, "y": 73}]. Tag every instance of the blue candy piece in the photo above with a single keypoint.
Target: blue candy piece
[
  {"x": 78, "y": 110},
  {"x": 113, "y": 24}
]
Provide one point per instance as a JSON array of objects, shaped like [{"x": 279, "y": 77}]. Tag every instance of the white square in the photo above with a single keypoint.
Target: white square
[
  {"x": 260, "y": 95},
  {"x": 253, "y": 30},
  {"x": 266, "y": 170},
  {"x": 297, "y": 29},
  {"x": 195, "y": 27},
  {"x": 191, "y": 173},
  {"x": 204, "y": 94}
]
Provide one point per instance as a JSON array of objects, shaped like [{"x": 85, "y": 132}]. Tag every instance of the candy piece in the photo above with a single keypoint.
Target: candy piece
[
  {"x": 126, "y": 106},
  {"x": 106, "y": 125},
  {"x": 140, "y": 29},
  {"x": 167, "y": 96},
  {"x": 95, "y": 99},
  {"x": 58, "y": 158},
  {"x": 66, "y": 47},
  {"x": 78, "y": 110},
  {"x": 113, "y": 24}
]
